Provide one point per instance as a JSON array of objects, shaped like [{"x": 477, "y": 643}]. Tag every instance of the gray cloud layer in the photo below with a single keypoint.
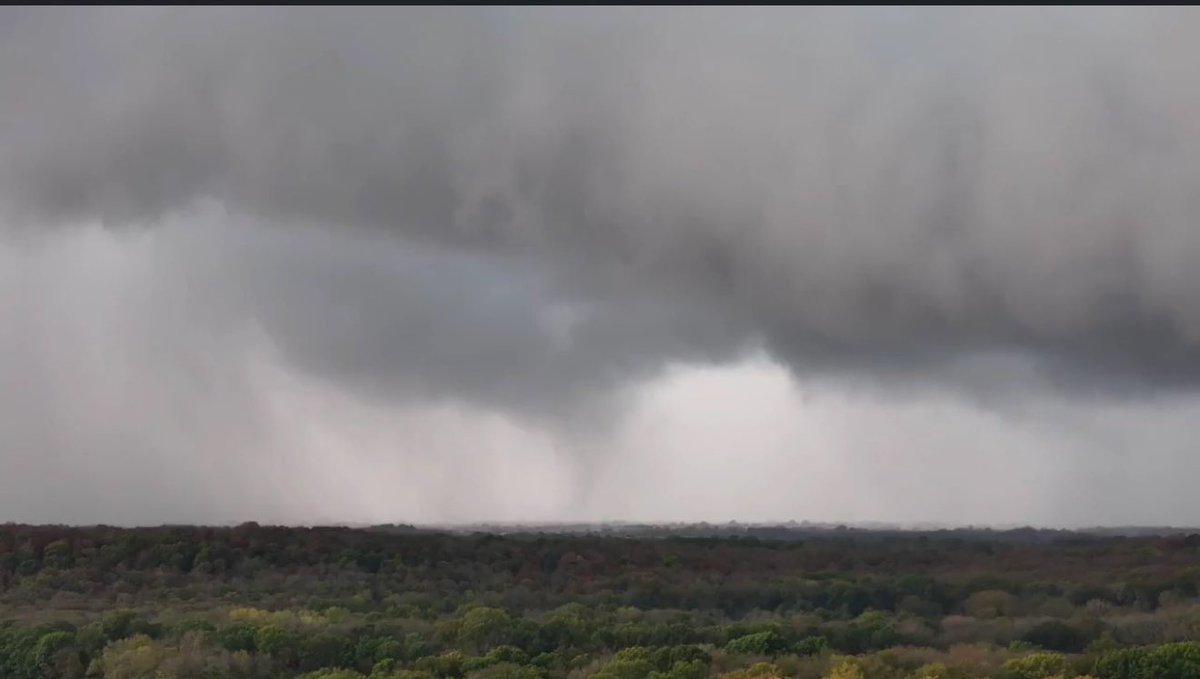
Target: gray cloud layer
[
  {"x": 891, "y": 189},
  {"x": 534, "y": 212}
]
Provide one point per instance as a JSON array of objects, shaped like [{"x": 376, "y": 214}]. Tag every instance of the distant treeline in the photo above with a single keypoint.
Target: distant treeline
[
  {"x": 618, "y": 602},
  {"x": 802, "y": 531}
]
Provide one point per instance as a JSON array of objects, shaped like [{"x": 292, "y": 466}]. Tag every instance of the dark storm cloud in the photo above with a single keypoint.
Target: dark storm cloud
[
  {"x": 399, "y": 321},
  {"x": 886, "y": 191}
]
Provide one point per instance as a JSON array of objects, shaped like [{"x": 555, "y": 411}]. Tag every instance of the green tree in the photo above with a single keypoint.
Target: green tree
[
  {"x": 136, "y": 657},
  {"x": 483, "y": 628},
  {"x": 759, "y": 643},
  {"x": 1037, "y": 666}
]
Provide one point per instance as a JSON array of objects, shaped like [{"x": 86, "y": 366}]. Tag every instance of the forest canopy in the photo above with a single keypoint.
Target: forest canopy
[{"x": 637, "y": 603}]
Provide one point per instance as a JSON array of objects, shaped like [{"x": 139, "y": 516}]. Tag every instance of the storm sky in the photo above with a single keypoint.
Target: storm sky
[{"x": 463, "y": 264}]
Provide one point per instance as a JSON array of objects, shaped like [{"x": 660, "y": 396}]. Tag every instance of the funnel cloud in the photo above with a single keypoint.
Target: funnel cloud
[{"x": 459, "y": 263}]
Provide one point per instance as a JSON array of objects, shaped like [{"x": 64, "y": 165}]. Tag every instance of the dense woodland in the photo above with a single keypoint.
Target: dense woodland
[{"x": 395, "y": 602}]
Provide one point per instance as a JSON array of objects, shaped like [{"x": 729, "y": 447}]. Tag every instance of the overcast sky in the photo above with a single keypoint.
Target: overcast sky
[{"x": 463, "y": 264}]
